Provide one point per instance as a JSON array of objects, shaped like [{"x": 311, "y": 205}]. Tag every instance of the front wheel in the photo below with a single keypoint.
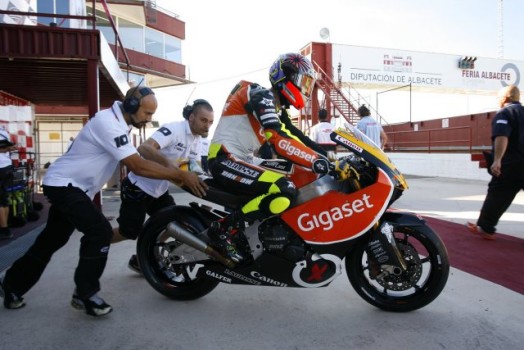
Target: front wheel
[
  {"x": 425, "y": 277},
  {"x": 166, "y": 262}
]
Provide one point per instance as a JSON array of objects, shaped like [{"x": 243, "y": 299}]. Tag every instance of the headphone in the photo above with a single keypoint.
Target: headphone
[{"x": 132, "y": 103}]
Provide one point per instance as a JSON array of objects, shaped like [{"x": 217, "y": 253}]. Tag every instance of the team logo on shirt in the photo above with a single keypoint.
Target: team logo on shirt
[
  {"x": 180, "y": 147},
  {"x": 121, "y": 140},
  {"x": 164, "y": 131}
]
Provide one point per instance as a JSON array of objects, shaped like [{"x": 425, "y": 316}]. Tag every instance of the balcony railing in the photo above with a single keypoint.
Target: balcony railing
[
  {"x": 89, "y": 18},
  {"x": 453, "y": 139}
]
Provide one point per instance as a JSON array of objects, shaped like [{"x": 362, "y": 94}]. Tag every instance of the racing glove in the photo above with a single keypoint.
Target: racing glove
[{"x": 343, "y": 171}]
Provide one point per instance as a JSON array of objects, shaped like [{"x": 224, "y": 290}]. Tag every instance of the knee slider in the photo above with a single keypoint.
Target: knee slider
[
  {"x": 275, "y": 203},
  {"x": 280, "y": 198}
]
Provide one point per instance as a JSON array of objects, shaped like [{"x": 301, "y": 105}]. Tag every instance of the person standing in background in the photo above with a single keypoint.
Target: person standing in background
[
  {"x": 321, "y": 132},
  {"x": 370, "y": 127},
  {"x": 6, "y": 177},
  {"x": 507, "y": 169}
]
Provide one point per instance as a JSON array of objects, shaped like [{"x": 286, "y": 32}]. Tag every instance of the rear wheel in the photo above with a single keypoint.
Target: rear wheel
[
  {"x": 163, "y": 261},
  {"x": 426, "y": 275}
]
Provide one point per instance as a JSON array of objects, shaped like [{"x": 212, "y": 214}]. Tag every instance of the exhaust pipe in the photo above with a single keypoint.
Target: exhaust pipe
[{"x": 178, "y": 232}]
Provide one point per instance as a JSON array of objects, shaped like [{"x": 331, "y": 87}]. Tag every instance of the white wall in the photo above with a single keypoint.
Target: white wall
[{"x": 459, "y": 166}]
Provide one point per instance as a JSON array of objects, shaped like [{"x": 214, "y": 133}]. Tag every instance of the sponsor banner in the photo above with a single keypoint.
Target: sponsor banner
[{"x": 371, "y": 67}]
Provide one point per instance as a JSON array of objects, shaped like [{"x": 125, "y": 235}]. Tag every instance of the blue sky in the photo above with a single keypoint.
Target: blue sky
[{"x": 232, "y": 39}]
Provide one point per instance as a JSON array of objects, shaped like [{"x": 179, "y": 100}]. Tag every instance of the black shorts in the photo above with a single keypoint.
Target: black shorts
[{"x": 134, "y": 207}]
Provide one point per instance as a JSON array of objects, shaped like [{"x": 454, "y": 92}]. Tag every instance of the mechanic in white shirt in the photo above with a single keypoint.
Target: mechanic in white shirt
[
  {"x": 321, "y": 132},
  {"x": 172, "y": 144},
  {"x": 71, "y": 183}
]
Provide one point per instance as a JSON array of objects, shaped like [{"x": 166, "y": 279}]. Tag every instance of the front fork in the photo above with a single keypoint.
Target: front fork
[{"x": 383, "y": 253}]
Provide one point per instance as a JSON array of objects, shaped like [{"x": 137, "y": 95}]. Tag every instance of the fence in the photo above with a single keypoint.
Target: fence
[{"x": 452, "y": 139}]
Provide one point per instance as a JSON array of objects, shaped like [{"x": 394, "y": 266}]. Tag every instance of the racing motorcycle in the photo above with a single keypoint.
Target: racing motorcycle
[{"x": 392, "y": 259}]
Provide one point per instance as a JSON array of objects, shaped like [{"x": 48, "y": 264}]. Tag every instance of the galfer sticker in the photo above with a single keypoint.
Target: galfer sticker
[
  {"x": 218, "y": 277},
  {"x": 349, "y": 143}
]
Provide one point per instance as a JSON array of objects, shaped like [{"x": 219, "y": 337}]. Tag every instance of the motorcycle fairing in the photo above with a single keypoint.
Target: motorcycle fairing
[
  {"x": 337, "y": 217},
  {"x": 356, "y": 142},
  {"x": 315, "y": 270}
]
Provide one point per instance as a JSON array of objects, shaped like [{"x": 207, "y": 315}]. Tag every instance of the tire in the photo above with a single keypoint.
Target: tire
[
  {"x": 427, "y": 273},
  {"x": 152, "y": 249}
]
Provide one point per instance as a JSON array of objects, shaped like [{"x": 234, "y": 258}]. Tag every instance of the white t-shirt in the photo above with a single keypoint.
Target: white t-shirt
[
  {"x": 205, "y": 146},
  {"x": 5, "y": 158},
  {"x": 92, "y": 159},
  {"x": 177, "y": 144},
  {"x": 371, "y": 129},
  {"x": 320, "y": 133}
]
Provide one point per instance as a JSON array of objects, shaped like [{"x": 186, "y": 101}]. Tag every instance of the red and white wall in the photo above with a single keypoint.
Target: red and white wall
[{"x": 16, "y": 116}]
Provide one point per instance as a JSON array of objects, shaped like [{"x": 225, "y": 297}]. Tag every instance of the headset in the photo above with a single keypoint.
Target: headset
[{"x": 131, "y": 104}]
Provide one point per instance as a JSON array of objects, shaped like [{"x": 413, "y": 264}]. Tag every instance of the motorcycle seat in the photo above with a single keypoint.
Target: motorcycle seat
[{"x": 218, "y": 195}]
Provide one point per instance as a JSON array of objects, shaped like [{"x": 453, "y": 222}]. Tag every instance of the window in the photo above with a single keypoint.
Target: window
[
  {"x": 139, "y": 38},
  {"x": 132, "y": 35},
  {"x": 135, "y": 79},
  {"x": 103, "y": 24},
  {"x": 154, "y": 43},
  {"x": 56, "y": 7},
  {"x": 173, "y": 49}
]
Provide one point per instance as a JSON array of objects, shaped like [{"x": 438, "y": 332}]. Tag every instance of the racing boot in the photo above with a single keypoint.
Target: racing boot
[{"x": 223, "y": 234}]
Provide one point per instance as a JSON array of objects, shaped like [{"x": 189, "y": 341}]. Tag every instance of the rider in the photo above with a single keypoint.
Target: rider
[{"x": 252, "y": 116}]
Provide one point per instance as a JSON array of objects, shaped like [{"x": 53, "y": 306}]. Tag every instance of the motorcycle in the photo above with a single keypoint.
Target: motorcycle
[{"x": 393, "y": 259}]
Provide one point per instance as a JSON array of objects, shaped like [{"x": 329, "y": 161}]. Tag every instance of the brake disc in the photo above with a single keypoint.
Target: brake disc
[{"x": 409, "y": 278}]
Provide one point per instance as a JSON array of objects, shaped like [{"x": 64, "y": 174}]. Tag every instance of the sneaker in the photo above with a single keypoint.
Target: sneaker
[
  {"x": 477, "y": 230},
  {"x": 222, "y": 232},
  {"x": 133, "y": 264},
  {"x": 93, "y": 306},
  {"x": 5, "y": 233},
  {"x": 11, "y": 300}
]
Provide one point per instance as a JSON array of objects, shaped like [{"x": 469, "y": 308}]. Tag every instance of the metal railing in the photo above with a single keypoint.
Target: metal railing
[
  {"x": 88, "y": 18},
  {"x": 431, "y": 140}
]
